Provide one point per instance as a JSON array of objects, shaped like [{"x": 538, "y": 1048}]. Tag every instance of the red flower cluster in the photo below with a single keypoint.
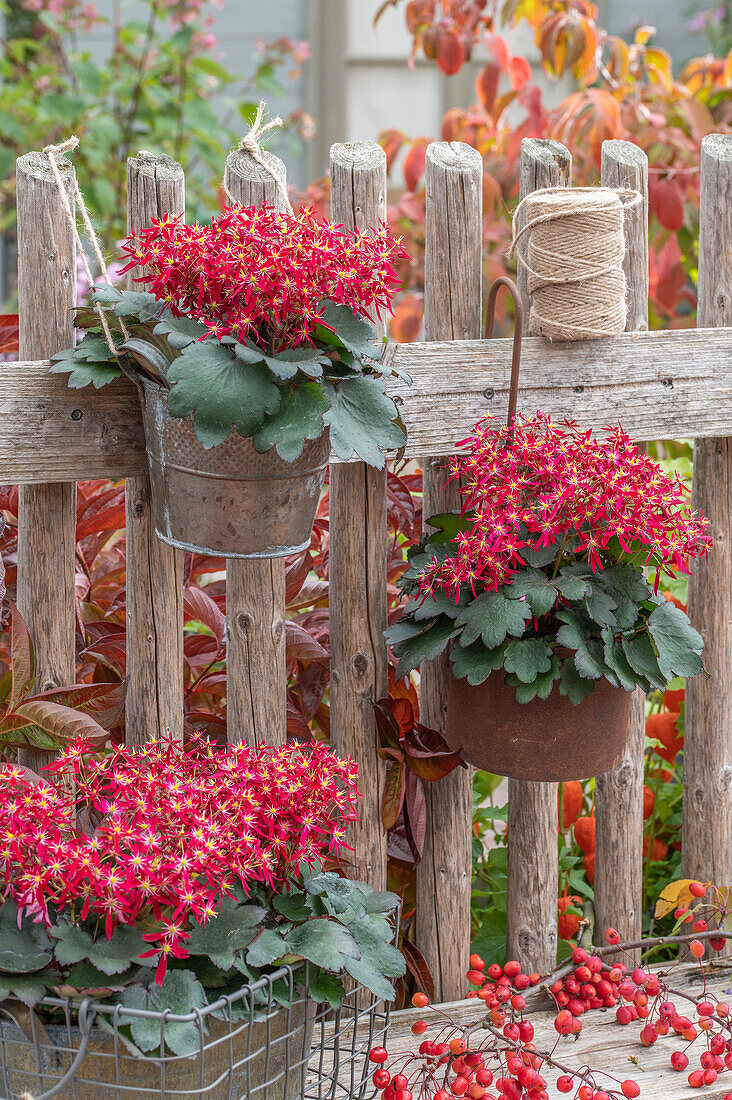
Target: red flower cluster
[
  {"x": 561, "y": 484},
  {"x": 263, "y": 275},
  {"x": 180, "y": 827}
]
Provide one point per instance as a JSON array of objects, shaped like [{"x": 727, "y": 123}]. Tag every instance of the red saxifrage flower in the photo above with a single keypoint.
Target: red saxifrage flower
[
  {"x": 264, "y": 275},
  {"x": 559, "y": 486},
  {"x": 179, "y": 828}
]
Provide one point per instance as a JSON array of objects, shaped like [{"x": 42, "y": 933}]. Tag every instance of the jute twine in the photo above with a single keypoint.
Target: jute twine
[
  {"x": 574, "y": 260},
  {"x": 53, "y": 151},
  {"x": 250, "y": 144}
]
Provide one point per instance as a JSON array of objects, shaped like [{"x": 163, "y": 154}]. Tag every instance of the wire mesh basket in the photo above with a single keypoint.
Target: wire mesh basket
[{"x": 247, "y": 1046}]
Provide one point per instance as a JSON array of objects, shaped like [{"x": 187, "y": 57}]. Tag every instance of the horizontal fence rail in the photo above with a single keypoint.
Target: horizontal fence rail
[{"x": 659, "y": 385}]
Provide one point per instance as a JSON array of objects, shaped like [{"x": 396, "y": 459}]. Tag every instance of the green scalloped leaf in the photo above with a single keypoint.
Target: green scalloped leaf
[
  {"x": 677, "y": 645},
  {"x": 475, "y": 663},
  {"x": 353, "y": 331},
  {"x": 643, "y": 660},
  {"x": 573, "y": 685},
  {"x": 540, "y": 688},
  {"x": 536, "y": 587},
  {"x": 299, "y": 417},
  {"x": 89, "y": 363},
  {"x": 222, "y": 392},
  {"x": 361, "y": 419},
  {"x": 527, "y": 658},
  {"x": 492, "y": 617}
]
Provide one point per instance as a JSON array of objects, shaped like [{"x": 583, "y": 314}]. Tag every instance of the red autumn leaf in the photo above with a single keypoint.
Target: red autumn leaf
[
  {"x": 103, "y": 702},
  {"x": 418, "y": 968},
  {"x": 21, "y": 665},
  {"x": 418, "y": 13},
  {"x": 111, "y": 651},
  {"x": 60, "y": 722},
  {"x": 500, "y": 51},
  {"x": 393, "y": 799},
  {"x": 312, "y": 680},
  {"x": 450, "y": 52},
  {"x": 296, "y": 572},
  {"x": 668, "y": 203},
  {"x": 101, "y": 512},
  {"x": 300, "y": 645},
  {"x": 414, "y": 163},
  {"x": 406, "y": 323},
  {"x": 519, "y": 71},
  {"x": 486, "y": 85},
  {"x": 8, "y": 333},
  {"x": 391, "y": 142},
  {"x": 415, "y": 814},
  {"x": 296, "y": 723},
  {"x": 198, "y": 606}
]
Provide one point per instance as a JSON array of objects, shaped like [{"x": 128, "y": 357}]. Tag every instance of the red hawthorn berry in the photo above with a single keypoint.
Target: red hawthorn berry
[{"x": 697, "y": 889}]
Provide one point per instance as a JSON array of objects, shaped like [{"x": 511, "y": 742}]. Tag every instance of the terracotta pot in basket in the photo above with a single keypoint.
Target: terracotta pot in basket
[
  {"x": 228, "y": 500},
  {"x": 547, "y": 739}
]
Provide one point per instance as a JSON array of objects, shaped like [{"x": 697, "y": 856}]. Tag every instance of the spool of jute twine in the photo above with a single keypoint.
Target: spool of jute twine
[{"x": 572, "y": 247}]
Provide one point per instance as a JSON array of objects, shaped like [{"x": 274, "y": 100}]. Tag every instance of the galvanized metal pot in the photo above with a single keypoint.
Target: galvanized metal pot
[
  {"x": 230, "y": 500},
  {"x": 547, "y": 739},
  {"x": 263, "y": 1060}
]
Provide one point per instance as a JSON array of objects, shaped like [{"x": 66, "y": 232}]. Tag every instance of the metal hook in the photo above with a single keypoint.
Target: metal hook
[{"x": 513, "y": 290}]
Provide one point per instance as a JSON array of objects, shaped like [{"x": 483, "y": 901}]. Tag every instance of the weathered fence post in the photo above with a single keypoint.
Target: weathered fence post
[
  {"x": 619, "y": 793},
  {"x": 256, "y": 685},
  {"x": 533, "y": 867},
  {"x": 47, "y": 512},
  {"x": 357, "y": 555},
  {"x": 453, "y": 276},
  {"x": 707, "y": 813},
  {"x": 155, "y": 186}
]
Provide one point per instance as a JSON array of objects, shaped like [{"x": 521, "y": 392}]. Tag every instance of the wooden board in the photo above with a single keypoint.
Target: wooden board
[
  {"x": 603, "y": 1044},
  {"x": 660, "y": 385}
]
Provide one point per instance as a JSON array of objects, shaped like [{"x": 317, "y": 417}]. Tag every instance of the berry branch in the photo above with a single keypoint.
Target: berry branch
[{"x": 496, "y": 1058}]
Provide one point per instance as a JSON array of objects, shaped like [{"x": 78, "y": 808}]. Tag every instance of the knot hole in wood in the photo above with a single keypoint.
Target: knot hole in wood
[
  {"x": 361, "y": 663},
  {"x": 245, "y": 622}
]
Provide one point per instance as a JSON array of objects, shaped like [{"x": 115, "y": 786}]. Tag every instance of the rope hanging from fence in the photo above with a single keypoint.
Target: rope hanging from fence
[
  {"x": 52, "y": 151},
  {"x": 574, "y": 260},
  {"x": 250, "y": 144}
]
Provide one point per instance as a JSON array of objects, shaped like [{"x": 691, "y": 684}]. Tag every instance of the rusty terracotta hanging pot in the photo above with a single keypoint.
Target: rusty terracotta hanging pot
[
  {"x": 550, "y": 740},
  {"x": 547, "y": 739}
]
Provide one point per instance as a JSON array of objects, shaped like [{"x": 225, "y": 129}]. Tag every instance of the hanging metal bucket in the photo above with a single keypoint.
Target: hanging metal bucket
[
  {"x": 228, "y": 501},
  {"x": 547, "y": 739}
]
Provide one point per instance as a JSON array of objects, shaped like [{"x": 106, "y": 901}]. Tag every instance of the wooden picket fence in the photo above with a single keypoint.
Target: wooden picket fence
[{"x": 660, "y": 385}]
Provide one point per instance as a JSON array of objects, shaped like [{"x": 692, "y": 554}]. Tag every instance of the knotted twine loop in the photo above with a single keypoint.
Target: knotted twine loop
[
  {"x": 52, "y": 151},
  {"x": 250, "y": 144},
  {"x": 574, "y": 260}
]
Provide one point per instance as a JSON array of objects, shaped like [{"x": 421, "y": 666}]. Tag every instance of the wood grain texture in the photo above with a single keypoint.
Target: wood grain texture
[
  {"x": 619, "y": 793},
  {"x": 46, "y": 512},
  {"x": 358, "y": 557},
  {"x": 256, "y": 682},
  {"x": 659, "y": 385},
  {"x": 531, "y": 932},
  {"x": 255, "y": 648},
  {"x": 453, "y": 261},
  {"x": 602, "y": 1044},
  {"x": 154, "y": 578},
  {"x": 707, "y": 812}
]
